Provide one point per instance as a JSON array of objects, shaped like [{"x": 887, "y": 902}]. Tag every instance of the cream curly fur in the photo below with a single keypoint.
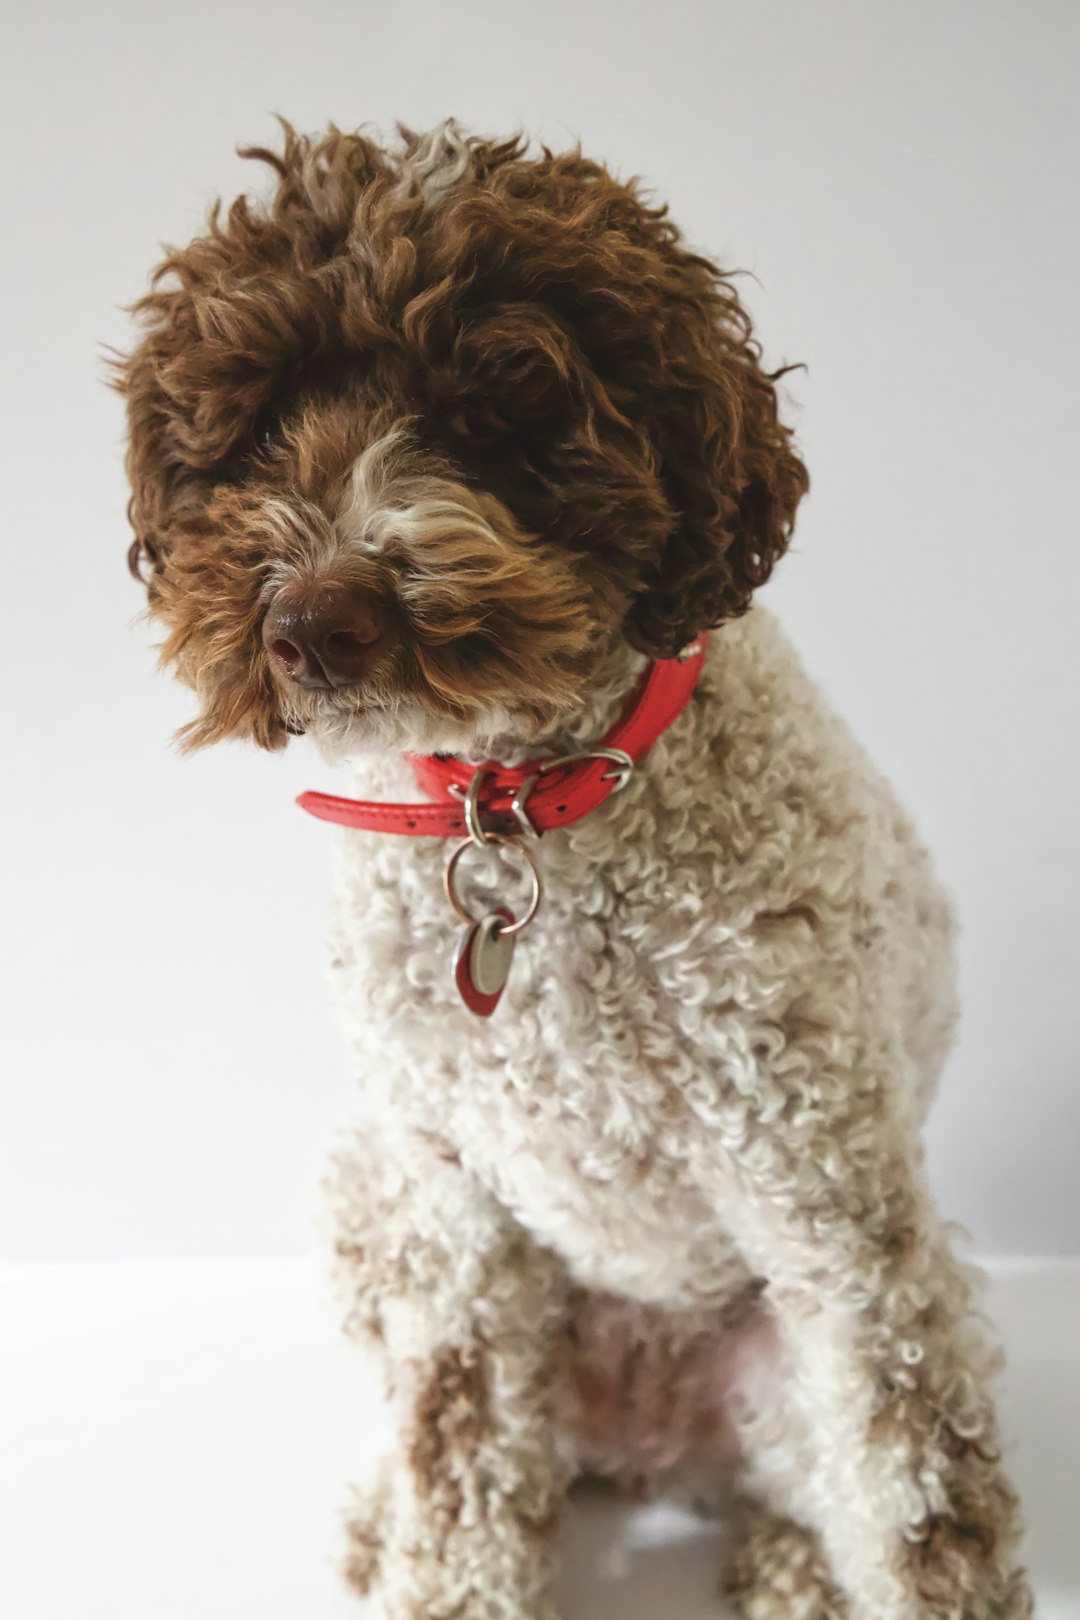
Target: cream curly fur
[{"x": 680, "y": 1164}]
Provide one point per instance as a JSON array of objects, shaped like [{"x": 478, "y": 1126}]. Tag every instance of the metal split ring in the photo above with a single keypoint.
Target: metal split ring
[
  {"x": 470, "y": 798},
  {"x": 450, "y": 884}
]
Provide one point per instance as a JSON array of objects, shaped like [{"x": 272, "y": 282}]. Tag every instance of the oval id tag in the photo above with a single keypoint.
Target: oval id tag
[{"x": 482, "y": 962}]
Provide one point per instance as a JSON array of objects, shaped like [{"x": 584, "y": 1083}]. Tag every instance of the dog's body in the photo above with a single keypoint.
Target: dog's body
[
  {"x": 664, "y": 1213},
  {"x": 740, "y": 981},
  {"x": 750, "y": 914}
]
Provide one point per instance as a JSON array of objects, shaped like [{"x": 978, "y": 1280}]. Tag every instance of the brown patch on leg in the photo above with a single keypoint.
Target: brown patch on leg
[
  {"x": 959, "y": 1558},
  {"x": 452, "y": 1421},
  {"x": 451, "y": 1417},
  {"x": 955, "y": 1563}
]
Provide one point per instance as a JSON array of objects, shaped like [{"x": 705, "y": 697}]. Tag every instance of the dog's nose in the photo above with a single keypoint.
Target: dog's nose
[{"x": 322, "y": 635}]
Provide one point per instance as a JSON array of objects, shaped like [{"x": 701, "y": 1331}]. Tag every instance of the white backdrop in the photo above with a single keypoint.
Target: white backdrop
[{"x": 901, "y": 181}]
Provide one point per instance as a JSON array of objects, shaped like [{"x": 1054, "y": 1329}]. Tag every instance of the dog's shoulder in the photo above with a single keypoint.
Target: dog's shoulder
[{"x": 764, "y": 770}]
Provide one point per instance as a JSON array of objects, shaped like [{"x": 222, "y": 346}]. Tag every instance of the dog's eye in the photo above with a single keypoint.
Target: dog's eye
[{"x": 265, "y": 433}]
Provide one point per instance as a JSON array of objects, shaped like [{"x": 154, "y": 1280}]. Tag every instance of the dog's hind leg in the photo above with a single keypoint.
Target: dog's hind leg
[
  {"x": 887, "y": 1445},
  {"x": 774, "y": 1566}
]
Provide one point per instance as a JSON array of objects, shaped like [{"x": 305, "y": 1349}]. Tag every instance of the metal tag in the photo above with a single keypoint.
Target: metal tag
[{"x": 482, "y": 962}]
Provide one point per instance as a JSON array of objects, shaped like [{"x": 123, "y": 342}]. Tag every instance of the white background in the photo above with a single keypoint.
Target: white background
[{"x": 901, "y": 180}]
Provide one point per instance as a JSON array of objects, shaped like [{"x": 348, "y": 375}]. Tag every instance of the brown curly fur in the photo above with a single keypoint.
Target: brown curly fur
[{"x": 554, "y": 353}]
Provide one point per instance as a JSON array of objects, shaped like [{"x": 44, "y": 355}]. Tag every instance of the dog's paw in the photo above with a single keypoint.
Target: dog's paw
[{"x": 774, "y": 1570}]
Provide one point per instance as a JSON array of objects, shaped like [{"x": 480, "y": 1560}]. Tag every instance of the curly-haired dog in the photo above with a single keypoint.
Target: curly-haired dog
[{"x": 437, "y": 452}]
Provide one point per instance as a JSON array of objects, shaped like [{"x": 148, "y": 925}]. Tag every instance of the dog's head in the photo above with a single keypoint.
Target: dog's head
[{"x": 414, "y": 446}]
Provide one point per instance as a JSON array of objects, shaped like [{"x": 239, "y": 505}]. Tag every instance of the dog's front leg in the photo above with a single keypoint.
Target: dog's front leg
[
  {"x": 470, "y": 1311},
  {"x": 883, "y": 1441}
]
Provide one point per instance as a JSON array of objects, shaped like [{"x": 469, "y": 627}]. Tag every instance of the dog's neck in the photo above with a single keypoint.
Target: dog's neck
[
  {"x": 607, "y": 693},
  {"x": 522, "y": 797},
  {"x": 506, "y": 738}
]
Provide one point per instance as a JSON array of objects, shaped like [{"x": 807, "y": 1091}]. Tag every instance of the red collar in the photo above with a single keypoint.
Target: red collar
[{"x": 541, "y": 794}]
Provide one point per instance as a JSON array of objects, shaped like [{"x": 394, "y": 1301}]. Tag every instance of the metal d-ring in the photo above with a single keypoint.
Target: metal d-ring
[
  {"x": 504, "y": 842},
  {"x": 619, "y": 757},
  {"x": 470, "y": 798}
]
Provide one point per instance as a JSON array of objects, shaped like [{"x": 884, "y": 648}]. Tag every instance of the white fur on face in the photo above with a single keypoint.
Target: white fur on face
[
  {"x": 395, "y": 497},
  {"x": 392, "y": 497},
  {"x": 306, "y": 543}
]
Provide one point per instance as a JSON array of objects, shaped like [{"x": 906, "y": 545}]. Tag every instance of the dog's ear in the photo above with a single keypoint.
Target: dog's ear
[
  {"x": 726, "y": 461},
  {"x": 163, "y": 483},
  {"x": 230, "y": 321}
]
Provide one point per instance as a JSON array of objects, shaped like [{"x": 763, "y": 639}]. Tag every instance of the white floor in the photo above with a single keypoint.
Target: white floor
[{"x": 173, "y": 1441}]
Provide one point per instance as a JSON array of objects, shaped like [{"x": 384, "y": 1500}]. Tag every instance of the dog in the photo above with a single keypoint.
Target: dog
[{"x": 455, "y": 458}]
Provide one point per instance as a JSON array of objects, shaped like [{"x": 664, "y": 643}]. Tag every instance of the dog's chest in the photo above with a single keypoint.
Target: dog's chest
[
  {"x": 570, "y": 1101},
  {"x": 693, "y": 962},
  {"x": 589, "y": 1170}
]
